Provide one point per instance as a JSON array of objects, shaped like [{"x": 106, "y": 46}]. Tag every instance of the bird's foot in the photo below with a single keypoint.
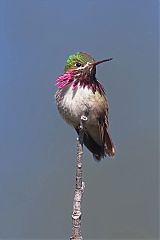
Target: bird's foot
[{"x": 81, "y": 128}]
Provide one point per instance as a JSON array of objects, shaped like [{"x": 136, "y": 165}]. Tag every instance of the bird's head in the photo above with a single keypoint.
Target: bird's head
[{"x": 80, "y": 68}]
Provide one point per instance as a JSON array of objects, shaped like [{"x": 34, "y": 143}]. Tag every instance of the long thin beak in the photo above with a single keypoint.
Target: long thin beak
[{"x": 102, "y": 61}]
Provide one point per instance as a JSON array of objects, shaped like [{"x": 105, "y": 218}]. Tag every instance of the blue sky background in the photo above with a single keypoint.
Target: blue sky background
[{"x": 37, "y": 149}]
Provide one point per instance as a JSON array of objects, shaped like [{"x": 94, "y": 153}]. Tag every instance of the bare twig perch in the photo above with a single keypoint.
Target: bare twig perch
[{"x": 79, "y": 187}]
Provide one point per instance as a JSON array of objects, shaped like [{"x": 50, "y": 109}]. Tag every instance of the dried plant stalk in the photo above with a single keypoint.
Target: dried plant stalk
[{"x": 79, "y": 187}]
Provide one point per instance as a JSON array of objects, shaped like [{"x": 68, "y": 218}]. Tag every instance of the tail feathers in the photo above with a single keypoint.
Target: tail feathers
[{"x": 107, "y": 148}]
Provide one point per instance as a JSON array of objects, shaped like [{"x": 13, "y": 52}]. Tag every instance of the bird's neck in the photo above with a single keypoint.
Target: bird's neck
[{"x": 77, "y": 79}]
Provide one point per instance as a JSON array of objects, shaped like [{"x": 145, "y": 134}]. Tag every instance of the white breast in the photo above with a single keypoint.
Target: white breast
[{"x": 72, "y": 104}]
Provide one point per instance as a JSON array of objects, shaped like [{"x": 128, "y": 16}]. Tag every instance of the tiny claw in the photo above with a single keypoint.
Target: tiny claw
[{"x": 84, "y": 118}]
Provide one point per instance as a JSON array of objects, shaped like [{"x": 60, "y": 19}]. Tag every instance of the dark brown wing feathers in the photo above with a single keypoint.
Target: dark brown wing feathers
[{"x": 106, "y": 138}]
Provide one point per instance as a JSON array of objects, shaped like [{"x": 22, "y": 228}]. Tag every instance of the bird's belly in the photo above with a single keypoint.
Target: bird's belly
[{"x": 72, "y": 104}]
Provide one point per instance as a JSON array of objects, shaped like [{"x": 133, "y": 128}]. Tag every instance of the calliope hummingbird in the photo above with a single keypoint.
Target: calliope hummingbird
[{"x": 81, "y": 94}]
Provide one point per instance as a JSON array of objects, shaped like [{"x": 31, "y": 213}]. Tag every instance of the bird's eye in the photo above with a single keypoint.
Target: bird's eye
[{"x": 78, "y": 64}]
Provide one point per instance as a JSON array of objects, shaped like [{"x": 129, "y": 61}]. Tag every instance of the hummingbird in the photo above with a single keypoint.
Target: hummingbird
[{"x": 81, "y": 94}]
